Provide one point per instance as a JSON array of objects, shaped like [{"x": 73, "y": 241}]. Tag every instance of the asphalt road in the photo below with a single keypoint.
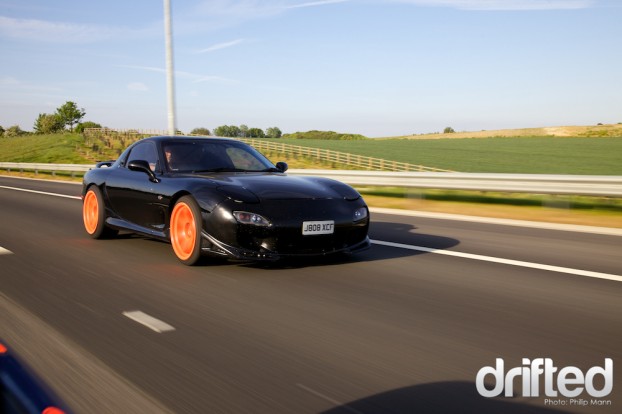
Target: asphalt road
[{"x": 403, "y": 328}]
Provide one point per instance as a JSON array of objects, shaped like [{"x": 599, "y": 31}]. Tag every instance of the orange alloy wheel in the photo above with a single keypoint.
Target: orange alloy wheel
[
  {"x": 90, "y": 212},
  {"x": 183, "y": 231}
]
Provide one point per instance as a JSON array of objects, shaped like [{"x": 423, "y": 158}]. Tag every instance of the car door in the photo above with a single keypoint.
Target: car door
[{"x": 133, "y": 196}]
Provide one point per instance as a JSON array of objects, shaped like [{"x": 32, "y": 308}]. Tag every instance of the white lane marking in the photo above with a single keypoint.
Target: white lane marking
[
  {"x": 510, "y": 262},
  {"x": 149, "y": 321},
  {"x": 40, "y": 192},
  {"x": 4, "y": 251},
  {"x": 330, "y": 400}
]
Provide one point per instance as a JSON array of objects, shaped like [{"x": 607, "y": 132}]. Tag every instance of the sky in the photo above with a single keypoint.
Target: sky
[{"x": 373, "y": 67}]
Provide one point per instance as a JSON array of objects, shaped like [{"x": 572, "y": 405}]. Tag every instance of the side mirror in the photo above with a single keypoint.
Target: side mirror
[
  {"x": 142, "y": 166},
  {"x": 281, "y": 166}
]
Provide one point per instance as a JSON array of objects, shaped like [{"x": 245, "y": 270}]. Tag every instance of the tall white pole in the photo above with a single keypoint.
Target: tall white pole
[{"x": 170, "y": 81}]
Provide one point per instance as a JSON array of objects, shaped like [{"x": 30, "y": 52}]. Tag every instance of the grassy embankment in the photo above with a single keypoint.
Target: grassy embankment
[
  {"x": 545, "y": 155},
  {"x": 55, "y": 149}
]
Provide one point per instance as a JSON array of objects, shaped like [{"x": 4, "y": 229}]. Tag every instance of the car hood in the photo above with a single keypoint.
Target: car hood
[{"x": 278, "y": 186}]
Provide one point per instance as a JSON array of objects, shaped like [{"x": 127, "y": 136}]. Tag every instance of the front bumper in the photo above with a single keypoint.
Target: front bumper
[{"x": 214, "y": 247}]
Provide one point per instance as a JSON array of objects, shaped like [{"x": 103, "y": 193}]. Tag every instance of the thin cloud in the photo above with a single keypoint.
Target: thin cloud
[
  {"x": 221, "y": 46},
  {"x": 11, "y": 83},
  {"x": 67, "y": 33},
  {"x": 223, "y": 12},
  {"x": 508, "y": 5},
  {"x": 46, "y": 31},
  {"x": 137, "y": 87},
  {"x": 193, "y": 77},
  {"x": 213, "y": 79},
  {"x": 147, "y": 68},
  {"x": 217, "y": 14},
  {"x": 316, "y": 3}
]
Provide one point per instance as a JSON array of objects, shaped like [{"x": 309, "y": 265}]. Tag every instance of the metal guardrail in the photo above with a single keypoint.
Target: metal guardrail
[
  {"x": 592, "y": 185},
  {"x": 605, "y": 186},
  {"x": 28, "y": 166}
]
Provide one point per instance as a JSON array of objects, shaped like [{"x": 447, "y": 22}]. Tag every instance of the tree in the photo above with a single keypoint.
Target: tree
[
  {"x": 200, "y": 131},
  {"x": 243, "y": 131},
  {"x": 448, "y": 130},
  {"x": 70, "y": 114},
  {"x": 273, "y": 132},
  {"x": 48, "y": 124},
  {"x": 220, "y": 131},
  {"x": 1, "y": 131},
  {"x": 256, "y": 133},
  {"x": 227, "y": 131}
]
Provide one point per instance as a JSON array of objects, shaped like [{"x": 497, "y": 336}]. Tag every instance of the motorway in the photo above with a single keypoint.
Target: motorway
[{"x": 402, "y": 328}]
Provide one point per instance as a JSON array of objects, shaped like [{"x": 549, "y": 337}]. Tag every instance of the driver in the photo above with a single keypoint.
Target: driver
[{"x": 170, "y": 159}]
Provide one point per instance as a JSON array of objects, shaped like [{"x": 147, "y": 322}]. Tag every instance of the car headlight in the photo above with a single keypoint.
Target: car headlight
[
  {"x": 360, "y": 214},
  {"x": 245, "y": 217}
]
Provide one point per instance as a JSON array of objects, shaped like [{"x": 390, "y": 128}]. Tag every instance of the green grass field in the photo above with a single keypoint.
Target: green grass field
[{"x": 529, "y": 155}]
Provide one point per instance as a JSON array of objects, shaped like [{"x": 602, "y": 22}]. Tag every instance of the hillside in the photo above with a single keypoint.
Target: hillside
[
  {"x": 607, "y": 130},
  {"x": 536, "y": 155}
]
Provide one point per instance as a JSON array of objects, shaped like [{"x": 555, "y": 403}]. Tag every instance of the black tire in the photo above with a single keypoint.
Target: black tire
[
  {"x": 185, "y": 230},
  {"x": 94, "y": 214}
]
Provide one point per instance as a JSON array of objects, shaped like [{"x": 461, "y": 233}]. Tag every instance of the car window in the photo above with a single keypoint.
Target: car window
[
  {"x": 208, "y": 155},
  {"x": 145, "y": 151},
  {"x": 243, "y": 160}
]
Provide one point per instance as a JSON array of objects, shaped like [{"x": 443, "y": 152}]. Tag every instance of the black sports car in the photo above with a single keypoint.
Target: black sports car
[{"x": 221, "y": 197}]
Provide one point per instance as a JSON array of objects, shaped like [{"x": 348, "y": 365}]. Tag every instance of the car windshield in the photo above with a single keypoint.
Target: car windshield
[{"x": 214, "y": 156}]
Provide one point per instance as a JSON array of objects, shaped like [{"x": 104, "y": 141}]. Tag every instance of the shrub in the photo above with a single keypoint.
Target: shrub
[
  {"x": 200, "y": 131},
  {"x": 14, "y": 131},
  {"x": 84, "y": 125},
  {"x": 314, "y": 134},
  {"x": 48, "y": 124}
]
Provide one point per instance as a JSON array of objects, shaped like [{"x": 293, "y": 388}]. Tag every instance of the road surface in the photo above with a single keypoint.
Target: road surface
[{"x": 121, "y": 326}]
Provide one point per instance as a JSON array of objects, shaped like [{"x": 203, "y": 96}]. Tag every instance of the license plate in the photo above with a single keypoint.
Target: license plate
[{"x": 318, "y": 227}]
